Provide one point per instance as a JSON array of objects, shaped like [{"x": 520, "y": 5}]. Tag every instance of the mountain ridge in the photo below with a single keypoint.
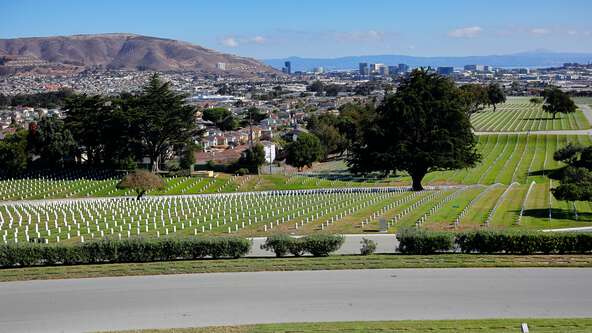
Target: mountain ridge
[{"x": 120, "y": 51}]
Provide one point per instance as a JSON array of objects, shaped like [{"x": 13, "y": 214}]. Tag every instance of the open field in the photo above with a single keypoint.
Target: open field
[
  {"x": 506, "y": 158},
  {"x": 575, "y": 325},
  {"x": 508, "y": 189},
  {"x": 517, "y": 114},
  {"x": 517, "y": 206},
  {"x": 337, "y": 262}
]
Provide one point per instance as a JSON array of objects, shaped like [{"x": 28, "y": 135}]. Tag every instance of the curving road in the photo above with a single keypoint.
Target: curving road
[{"x": 267, "y": 297}]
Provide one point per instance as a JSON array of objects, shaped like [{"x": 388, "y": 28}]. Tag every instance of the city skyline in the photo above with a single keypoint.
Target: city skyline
[{"x": 266, "y": 29}]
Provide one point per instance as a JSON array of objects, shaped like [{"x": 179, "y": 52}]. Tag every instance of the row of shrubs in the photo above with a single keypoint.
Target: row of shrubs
[
  {"x": 418, "y": 241},
  {"x": 319, "y": 245},
  {"x": 119, "y": 251}
]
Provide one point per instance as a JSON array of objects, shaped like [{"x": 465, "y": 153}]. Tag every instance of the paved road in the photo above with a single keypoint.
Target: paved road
[
  {"x": 241, "y": 298},
  {"x": 587, "y": 111}
]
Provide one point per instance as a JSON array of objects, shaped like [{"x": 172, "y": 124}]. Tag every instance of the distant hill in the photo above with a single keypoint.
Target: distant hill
[
  {"x": 526, "y": 59},
  {"x": 118, "y": 51}
]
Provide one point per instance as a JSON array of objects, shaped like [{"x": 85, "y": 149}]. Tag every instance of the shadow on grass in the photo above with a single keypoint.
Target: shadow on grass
[
  {"x": 540, "y": 118},
  {"x": 556, "y": 174},
  {"x": 556, "y": 213}
]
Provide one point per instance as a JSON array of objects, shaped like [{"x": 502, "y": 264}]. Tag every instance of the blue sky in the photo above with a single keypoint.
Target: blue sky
[{"x": 320, "y": 28}]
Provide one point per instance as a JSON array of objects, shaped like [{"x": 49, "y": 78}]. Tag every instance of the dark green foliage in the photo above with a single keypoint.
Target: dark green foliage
[
  {"x": 304, "y": 151},
  {"x": 187, "y": 159},
  {"x": 524, "y": 242},
  {"x": 320, "y": 245},
  {"x": 52, "y": 141},
  {"x": 423, "y": 127},
  {"x": 327, "y": 127},
  {"x": 121, "y": 251},
  {"x": 368, "y": 246},
  {"x": 419, "y": 241},
  {"x": 279, "y": 244},
  {"x": 251, "y": 159},
  {"x": 86, "y": 119},
  {"x": 576, "y": 185},
  {"x": 475, "y": 96},
  {"x": 50, "y": 99},
  {"x": 215, "y": 115},
  {"x": 13, "y": 153},
  {"x": 163, "y": 119},
  {"x": 557, "y": 101},
  {"x": 495, "y": 95}
]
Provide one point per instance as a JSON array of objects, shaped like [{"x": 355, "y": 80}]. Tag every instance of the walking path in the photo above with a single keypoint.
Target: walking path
[{"x": 106, "y": 304}]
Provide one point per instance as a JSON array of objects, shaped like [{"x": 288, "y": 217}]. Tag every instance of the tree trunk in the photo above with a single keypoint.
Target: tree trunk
[
  {"x": 554, "y": 114},
  {"x": 494, "y": 106},
  {"x": 416, "y": 177},
  {"x": 140, "y": 194}
]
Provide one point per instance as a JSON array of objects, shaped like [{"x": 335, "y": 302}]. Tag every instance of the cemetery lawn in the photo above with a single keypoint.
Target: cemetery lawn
[
  {"x": 337, "y": 262},
  {"x": 575, "y": 325}
]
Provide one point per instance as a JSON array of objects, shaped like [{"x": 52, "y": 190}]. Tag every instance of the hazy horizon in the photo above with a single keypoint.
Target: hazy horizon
[{"x": 321, "y": 29}]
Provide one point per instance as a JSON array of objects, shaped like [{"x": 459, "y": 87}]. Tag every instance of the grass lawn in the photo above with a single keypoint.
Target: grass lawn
[
  {"x": 575, "y": 325},
  {"x": 380, "y": 261}
]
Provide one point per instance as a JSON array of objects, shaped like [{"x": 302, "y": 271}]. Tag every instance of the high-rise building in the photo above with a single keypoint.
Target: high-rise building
[
  {"x": 393, "y": 69},
  {"x": 476, "y": 68},
  {"x": 445, "y": 70},
  {"x": 221, "y": 66},
  {"x": 403, "y": 68},
  {"x": 364, "y": 69},
  {"x": 287, "y": 67}
]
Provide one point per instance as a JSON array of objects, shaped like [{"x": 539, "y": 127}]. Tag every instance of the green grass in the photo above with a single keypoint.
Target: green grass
[
  {"x": 517, "y": 114},
  {"x": 338, "y": 262},
  {"x": 574, "y": 325}
]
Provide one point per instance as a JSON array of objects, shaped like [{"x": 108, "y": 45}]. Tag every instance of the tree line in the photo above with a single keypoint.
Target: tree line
[{"x": 112, "y": 132}]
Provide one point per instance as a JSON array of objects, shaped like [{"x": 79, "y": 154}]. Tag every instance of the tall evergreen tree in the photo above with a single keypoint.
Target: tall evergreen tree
[{"x": 163, "y": 119}]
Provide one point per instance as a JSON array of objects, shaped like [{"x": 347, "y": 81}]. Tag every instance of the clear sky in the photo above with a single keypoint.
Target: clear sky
[{"x": 320, "y": 28}]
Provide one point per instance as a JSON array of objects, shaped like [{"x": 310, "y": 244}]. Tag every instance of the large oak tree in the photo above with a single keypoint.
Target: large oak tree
[{"x": 423, "y": 127}]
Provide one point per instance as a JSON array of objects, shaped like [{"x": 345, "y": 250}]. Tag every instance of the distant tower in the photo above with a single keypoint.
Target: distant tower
[
  {"x": 221, "y": 66},
  {"x": 364, "y": 69},
  {"x": 288, "y": 67}
]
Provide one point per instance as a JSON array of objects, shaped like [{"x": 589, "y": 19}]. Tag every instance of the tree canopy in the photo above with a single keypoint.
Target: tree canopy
[
  {"x": 51, "y": 141},
  {"x": 495, "y": 95},
  {"x": 423, "y": 127},
  {"x": 13, "y": 153},
  {"x": 141, "y": 181},
  {"x": 163, "y": 119},
  {"x": 557, "y": 101},
  {"x": 304, "y": 151}
]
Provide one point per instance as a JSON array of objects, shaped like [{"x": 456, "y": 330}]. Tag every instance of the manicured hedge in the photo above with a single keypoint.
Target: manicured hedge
[
  {"x": 319, "y": 245},
  {"x": 524, "y": 242},
  {"x": 119, "y": 251},
  {"x": 419, "y": 241}
]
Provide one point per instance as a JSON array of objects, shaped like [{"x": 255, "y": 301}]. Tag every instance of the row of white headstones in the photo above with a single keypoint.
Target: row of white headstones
[{"x": 217, "y": 212}]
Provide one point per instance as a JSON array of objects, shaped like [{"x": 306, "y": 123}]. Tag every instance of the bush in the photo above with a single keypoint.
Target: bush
[
  {"x": 418, "y": 241},
  {"x": 120, "y": 251},
  {"x": 279, "y": 244},
  {"x": 321, "y": 245},
  {"x": 317, "y": 245},
  {"x": 242, "y": 171},
  {"x": 368, "y": 246},
  {"x": 524, "y": 242}
]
